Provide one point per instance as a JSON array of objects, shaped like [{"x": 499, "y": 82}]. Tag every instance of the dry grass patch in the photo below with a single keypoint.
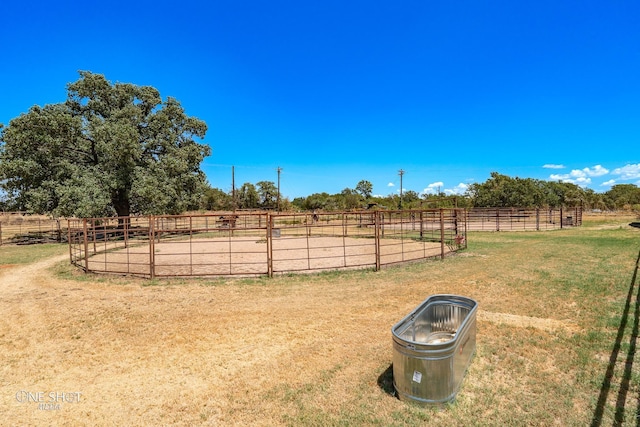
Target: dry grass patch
[{"x": 316, "y": 349}]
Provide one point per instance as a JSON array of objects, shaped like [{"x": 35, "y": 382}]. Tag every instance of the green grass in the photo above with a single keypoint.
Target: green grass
[
  {"x": 521, "y": 376},
  {"x": 25, "y": 254}
]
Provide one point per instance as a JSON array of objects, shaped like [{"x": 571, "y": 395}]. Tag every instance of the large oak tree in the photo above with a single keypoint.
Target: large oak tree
[{"x": 109, "y": 149}]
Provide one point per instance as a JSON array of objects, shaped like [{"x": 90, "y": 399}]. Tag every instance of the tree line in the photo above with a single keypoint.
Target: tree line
[
  {"x": 497, "y": 192},
  {"x": 120, "y": 149}
]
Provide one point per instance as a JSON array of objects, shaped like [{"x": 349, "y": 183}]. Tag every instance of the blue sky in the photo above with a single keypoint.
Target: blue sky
[{"x": 334, "y": 92}]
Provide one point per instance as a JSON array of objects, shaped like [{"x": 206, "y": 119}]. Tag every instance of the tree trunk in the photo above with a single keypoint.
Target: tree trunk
[{"x": 123, "y": 209}]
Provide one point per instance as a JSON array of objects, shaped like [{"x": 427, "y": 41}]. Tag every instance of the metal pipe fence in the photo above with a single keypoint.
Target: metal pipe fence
[
  {"x": 514, "y": 219},
  {"x": 227, "y": 244},
  {"x": 254, "y": 244},
  {"x": 25, "y": 229}
]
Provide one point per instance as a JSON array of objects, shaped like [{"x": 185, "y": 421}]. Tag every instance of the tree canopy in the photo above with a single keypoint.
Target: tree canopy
[
  {"x": 503, "y": 191},
  {"x": 109, "y": 149}
]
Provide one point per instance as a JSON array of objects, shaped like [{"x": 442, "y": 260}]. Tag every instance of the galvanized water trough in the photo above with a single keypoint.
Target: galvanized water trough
[{"x": 432, "y": 349}]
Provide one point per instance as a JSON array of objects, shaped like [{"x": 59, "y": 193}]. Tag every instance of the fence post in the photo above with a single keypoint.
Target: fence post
[
  {"x": 69, "y": 241},
  {"x": 466, "y": 227},
  {"x": 269, "y": 245},
  {"x": 126, "y": 233},
  {"x": 93, "y": 234},
  {"x": 344, "y": 239},
  {"x": 441, "y": 233},
  {"x": 376, "y": 233},
  {"x": 561, "y": 218},
  {"x": 86, "y": 246},
  {"x": 152, "y": 249}
]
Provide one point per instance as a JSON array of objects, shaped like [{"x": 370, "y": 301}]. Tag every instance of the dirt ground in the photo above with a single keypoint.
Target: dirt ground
[
  {"x": 248, "y": 255},
  {"x": 105, "y": 352}
]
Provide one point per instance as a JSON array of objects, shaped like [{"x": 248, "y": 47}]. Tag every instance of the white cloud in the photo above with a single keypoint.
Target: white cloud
[
  {"x": 628, "y": 172},
  {"x": 575, "y": 177},
  {"x": 581, "y": 177},
  {"x": 609, "y": 183},
  {"x": 597, "y": 170},
  {"x": 458, "y": 189},
  {"x": 436, "y": 187},
  {"x": 433, "y": 188},
  {"x": 552, "y": 166},
  {"x": 391, "y": 184}
]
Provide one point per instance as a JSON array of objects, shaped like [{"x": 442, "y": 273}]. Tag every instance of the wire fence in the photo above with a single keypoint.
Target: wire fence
[{"x": 262, "y": 243}]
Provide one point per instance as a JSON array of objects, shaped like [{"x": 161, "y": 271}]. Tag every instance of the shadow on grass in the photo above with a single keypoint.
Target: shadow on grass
[
  {"x": 385, "y": 381},
  {"x": 628, "y": 364}
]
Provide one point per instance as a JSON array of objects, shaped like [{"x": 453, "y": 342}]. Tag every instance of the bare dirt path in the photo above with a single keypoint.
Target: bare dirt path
[
  {"x": 104, "y": 351},
  {"x": 16, "y": 276}
]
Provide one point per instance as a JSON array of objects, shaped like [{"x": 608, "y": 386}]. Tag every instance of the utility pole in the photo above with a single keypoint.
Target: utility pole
[
  {"x": 400, "y": 172},
  {"x": 278, "y": 196}
]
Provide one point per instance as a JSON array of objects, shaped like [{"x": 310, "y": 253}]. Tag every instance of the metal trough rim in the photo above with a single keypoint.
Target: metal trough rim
[{"x": 437, "y": 298}]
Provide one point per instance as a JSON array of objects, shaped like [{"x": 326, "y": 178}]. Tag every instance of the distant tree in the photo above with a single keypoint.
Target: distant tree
[
  {"x": 349, "y": 199},
  {"x": 411, "y": 200},
  {"x": 594, "y": 200},
  {"x": 299, "y": 203},
  {"x": 215, "y": 199},
  {"x": 268, "y": 193},
  {"x": 623, "y": 196},
  {"x": 109, "y": 149},
  {"x": 322, "y": 201},
  {"x": 364, "y": 188},
  {"x": 491, "y": 193},
  {"x": 248, "y": 197},
  {"x": 503, "y": 191}
]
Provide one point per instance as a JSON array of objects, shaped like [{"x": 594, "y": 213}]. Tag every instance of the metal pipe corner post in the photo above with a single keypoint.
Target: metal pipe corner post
[
  {"x": 86, "y": 245},
  {"x": 377, "y": 238},
  {"x": 152, "y": 248},
  {"x": 441, "y": 233},
  {"x": 466, "y": 227},
  {"x": 69, "y": 241},
  {"x": 126, "y": 232},
  {"x": 269, "y": 245}
]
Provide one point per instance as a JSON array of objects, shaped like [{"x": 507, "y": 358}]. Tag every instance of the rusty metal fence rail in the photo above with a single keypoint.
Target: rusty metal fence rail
[
  {"x": 227, "y": 244},
  {"x": 514, "y": 219},
  {"x": 25, "y": 229}
]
